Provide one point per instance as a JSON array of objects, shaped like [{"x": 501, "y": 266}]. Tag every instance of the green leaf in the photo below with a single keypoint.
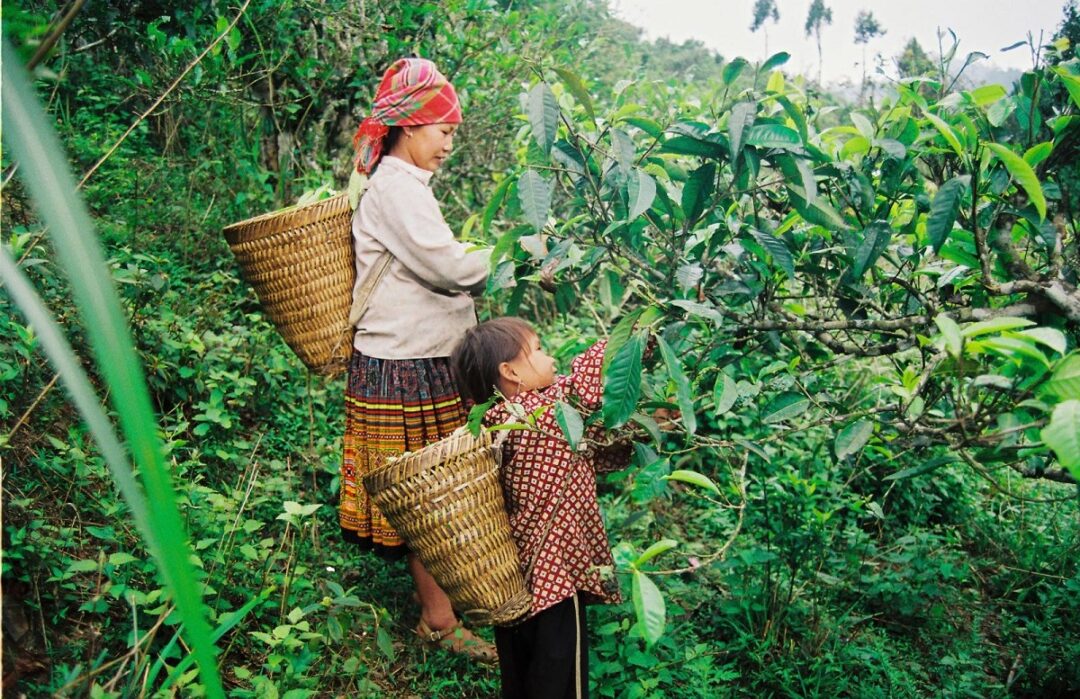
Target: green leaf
[
  {"x": 856, "y": 145},
  {"x": 773, "y": 136},
  {"x": 699, "y": 309},
  {"x": 944, "y": 210},
  {"x": 798, "y": 170},
  {"x": 1063, "y": 435},
  {"x": 624, "y": 150},
  {"x": 44, "y": 171},
  {"x": 950, "y": 331},
  {"x": 863, "y": 125},
  {"x": 687, "y": 145},
  {"x": 83, "y": 566},
  {"x": 693, "y": 478},
  {"x": 120, "y": 558},
  {"x": 1000, "y": 111},
  {"x": 724, "y": 394},
  {"x": 682, "y": 385},
  {"x": 577, "y": 89},
  {"x": 357, "y": 184},
  {"x": 1051, "y": 337},
  {"x": 641, "y": 191},
  {"x": 785, "y": 407},
  {"x": 995, "y": 325},
  {"x": 753, "y": 448},
  {"x": 931, "y": 465},
  {"x": 1010, "y": 346},
  {"x": 622, "y": 382},
  {"x": 649, "y": 126},
  {"x": 1065, "y": 381},
  {"x": 946, "y": 131},
  {"x": 876, "y": 238},
  {"x": 1023, "y": 174},
  {"x": 1071, "y": 83},
  {"x": 534, "y": 192},
  {"x": 648, "y": 607},
  {"x": 570, "y": 158},
  {"x": 620, "y": 334},
  {"x": 385, "y": 644},
  {"x": 774, "y": 61},
  {"x": 543, "y": 112},
  {"x": 655, "y": 550},
  {"x": 815, "y": 209},
  {"x": 497, "y": 198},
  {"x": 649, "y": 425},
  {"x": 696, "y": 192},
  {"x": 570, "y": 423},
  {"x": 732, "y": 70},
  {"x": 853, "y": 438},
  {"x": 778, "y": 249},
  {"x": 1038, "y": 153},
  {"x": 688, "y": 276},
  {"x": 893, "y": 148},
  {"x": 988, "y": 94},
  {"x": 742, "y": 118}
]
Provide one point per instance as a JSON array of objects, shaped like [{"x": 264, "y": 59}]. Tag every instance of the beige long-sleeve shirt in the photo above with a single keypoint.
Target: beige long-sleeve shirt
[{"x": 423, "y": 306}]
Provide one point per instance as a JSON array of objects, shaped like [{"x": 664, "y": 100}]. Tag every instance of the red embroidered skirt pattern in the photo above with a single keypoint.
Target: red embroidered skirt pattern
[{"x": 391, "y": 406}]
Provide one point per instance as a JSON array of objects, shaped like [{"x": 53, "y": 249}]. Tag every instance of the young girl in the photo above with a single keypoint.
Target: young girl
[
  {"x": 400, "y": 395},
  {"x": 550, "y": 493}
]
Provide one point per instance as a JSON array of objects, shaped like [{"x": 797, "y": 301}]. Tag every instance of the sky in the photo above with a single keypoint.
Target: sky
[{"x": 724, "y": 25}]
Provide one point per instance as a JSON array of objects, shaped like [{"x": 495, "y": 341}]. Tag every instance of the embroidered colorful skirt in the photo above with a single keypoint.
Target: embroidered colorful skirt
[{"x": 391, "y": 406}]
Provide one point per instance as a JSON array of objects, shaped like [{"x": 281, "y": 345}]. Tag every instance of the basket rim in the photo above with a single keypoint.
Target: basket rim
[
  {"x": 410, "y": 463},
  {"x": 288, "y": 211}
]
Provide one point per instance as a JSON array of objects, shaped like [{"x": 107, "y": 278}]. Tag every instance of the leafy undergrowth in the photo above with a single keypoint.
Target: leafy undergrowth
[{"x": 861, "y": 511}]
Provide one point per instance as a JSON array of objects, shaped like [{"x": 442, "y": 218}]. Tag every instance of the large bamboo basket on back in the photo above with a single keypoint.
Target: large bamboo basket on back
[
  {"x": 446, "y": 500},
  {"x": 300, "y": 262}
]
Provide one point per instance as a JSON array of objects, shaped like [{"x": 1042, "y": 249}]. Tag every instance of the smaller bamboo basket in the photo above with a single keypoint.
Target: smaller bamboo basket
[
  {"x": 446, "y": 500},
  {"x": 300, "y": 262}
]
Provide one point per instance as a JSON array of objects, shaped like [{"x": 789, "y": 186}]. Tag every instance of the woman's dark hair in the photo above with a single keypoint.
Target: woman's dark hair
[
  {"x": 476, "y": 359},
  {"x": 389, "y": 141}
]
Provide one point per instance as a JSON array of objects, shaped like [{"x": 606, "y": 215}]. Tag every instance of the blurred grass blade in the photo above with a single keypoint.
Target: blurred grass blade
[
  {"x": 63, "y": 358},
  {"x": 45, "y": 174},
  {"x": 227, "y": 623}
]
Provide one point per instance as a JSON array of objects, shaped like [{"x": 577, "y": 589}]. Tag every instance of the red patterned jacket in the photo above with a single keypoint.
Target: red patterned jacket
[{"x": 550, "y": 490}]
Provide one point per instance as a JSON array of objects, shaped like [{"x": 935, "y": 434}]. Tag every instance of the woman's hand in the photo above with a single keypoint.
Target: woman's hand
[{"x": 665, "y": 418}]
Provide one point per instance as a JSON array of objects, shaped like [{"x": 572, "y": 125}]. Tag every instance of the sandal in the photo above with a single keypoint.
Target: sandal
[{"x": 458, "y": 639}]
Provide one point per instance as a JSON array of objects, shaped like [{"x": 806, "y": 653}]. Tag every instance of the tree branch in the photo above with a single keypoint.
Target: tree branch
[{"x": 1058, "y": 475}]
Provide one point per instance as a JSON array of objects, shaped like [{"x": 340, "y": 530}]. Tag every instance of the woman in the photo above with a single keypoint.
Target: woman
[{"x": 400, "y": 395}]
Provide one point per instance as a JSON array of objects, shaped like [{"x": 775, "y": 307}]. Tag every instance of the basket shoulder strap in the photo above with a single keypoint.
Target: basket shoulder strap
[{"x": 371, "y": 280}]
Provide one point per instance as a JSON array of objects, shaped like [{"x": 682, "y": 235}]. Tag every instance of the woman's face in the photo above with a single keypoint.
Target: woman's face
[{"x": 426, "y": 146}]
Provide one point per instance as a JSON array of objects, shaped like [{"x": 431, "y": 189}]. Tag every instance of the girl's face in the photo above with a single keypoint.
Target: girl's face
[
  {"x": 426, "y": 146},
  {"x": 531, "y": 369}
]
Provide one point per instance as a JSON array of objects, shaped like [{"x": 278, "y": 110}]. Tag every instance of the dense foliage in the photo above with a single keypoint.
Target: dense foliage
[{"x": 867, "y": 318}]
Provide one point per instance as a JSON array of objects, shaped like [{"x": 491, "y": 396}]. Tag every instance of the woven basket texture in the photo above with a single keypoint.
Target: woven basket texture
[
  {"x": 300, "y": 262},
  {"x": 446, "y": 500}
]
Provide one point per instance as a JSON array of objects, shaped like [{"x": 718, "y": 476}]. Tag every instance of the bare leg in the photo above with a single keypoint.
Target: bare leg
[
  {"x": 438, "y": 626},
  {"x": 435, "y": 609}
]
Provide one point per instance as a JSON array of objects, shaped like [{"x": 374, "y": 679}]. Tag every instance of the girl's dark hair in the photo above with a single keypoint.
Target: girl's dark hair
[{"x": 476, "y": 359}]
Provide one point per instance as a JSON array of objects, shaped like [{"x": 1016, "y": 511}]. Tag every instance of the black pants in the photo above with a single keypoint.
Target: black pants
[{"x": 537, "y": 657}]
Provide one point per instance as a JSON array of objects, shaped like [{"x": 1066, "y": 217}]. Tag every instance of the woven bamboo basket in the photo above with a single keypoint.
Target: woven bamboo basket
[
  {"x": 300, "y": 262},
  {"x": 446, "y": 500}
]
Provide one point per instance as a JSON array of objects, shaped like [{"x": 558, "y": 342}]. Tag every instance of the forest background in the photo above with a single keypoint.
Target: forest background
[{"x": 866, "y": 312}]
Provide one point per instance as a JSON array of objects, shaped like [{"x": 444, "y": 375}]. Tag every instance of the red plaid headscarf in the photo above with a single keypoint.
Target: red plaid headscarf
[{"x": 412, "y": 93}]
